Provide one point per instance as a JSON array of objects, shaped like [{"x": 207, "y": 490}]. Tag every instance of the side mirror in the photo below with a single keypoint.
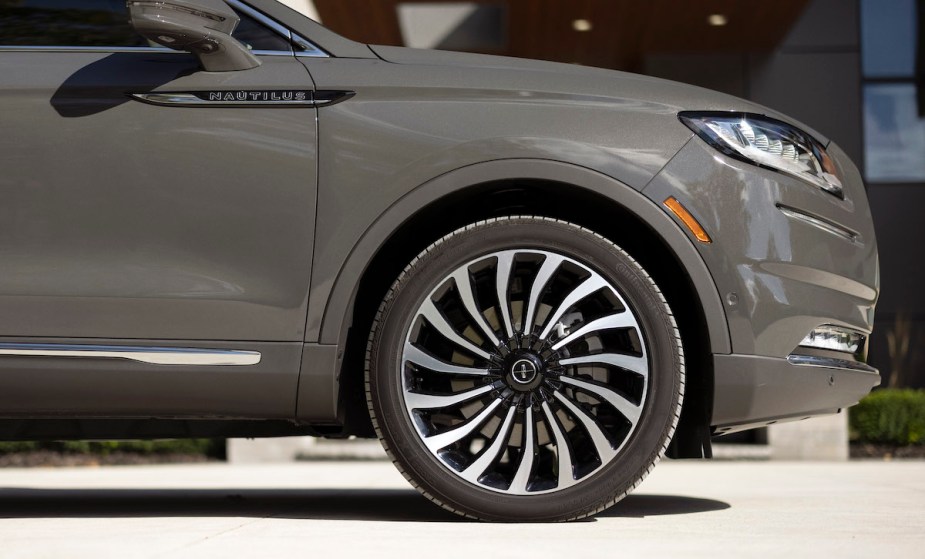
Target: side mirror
[{"x": 202, "y": 27}]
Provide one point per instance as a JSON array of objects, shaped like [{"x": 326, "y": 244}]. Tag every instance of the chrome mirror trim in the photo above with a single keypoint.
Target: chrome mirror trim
[{"x": 141, "y": 354}]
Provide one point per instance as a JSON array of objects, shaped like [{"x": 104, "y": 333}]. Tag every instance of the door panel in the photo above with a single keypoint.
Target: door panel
[{"x": 125, "y": 220}]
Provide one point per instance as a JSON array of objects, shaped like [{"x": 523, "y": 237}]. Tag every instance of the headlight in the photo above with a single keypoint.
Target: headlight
[{"x": 768, "y": 143}]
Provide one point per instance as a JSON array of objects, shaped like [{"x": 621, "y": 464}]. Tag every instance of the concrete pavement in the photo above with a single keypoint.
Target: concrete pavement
[{"x": 366, "y": 509}]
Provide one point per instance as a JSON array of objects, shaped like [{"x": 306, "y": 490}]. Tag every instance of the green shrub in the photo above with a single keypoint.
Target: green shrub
[
  {"x": 890, "y": 416},
  {"x": 214, "y": 448}
]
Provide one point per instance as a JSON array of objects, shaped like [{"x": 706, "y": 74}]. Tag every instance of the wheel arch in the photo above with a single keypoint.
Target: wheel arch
[{"x": 552, "y": 189}]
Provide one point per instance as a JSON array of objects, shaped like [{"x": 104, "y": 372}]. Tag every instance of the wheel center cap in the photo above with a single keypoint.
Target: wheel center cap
[{"x": 524, "y": 371}]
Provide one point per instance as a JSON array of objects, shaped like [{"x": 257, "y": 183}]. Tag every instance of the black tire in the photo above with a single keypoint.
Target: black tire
[{"x": 578, "y": 408}]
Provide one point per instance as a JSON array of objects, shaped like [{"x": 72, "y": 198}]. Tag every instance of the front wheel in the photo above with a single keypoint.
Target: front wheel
[{"x": 524, "y": 369}]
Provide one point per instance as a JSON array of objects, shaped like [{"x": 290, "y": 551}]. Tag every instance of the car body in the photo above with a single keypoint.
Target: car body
[{"x": 198, "y": 253}]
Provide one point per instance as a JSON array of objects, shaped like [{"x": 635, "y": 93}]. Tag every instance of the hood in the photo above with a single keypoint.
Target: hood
[{"x": 554, "y": 77}]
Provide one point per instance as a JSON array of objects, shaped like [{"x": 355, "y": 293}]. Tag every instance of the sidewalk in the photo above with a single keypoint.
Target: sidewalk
[{"x": 366, "y": 509}]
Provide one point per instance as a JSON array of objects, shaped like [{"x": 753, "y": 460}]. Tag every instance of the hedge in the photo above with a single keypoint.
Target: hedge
[
  {"x": 214, "y": 448},
  {"x": 889, "y": 416}
]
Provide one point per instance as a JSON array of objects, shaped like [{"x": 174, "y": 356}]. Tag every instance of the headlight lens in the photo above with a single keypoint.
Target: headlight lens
[{"x": 769, "y": 143}]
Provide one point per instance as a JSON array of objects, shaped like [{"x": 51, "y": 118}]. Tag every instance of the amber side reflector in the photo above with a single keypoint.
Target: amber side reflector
[{"x": 677, "y": 209}]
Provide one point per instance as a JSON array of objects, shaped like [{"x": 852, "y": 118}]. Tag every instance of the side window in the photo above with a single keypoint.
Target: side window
[
  {"x": 257, "y": 37},
  {"x": 99, "y": 23}
]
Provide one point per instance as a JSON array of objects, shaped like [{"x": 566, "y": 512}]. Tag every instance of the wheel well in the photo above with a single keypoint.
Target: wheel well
[{"x": 550, "y": 199}]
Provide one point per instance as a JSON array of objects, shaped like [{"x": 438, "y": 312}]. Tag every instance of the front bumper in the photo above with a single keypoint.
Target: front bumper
[
  {"x": 751, "y": 391},
  {"x": 786, "y": 258}
]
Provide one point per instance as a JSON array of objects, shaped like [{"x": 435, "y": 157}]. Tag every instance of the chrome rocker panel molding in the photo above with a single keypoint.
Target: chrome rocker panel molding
[{"x": 151, "y": 355}]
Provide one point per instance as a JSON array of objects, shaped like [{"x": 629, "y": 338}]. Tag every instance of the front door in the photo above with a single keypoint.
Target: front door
[{"x": 132, "y": 223}]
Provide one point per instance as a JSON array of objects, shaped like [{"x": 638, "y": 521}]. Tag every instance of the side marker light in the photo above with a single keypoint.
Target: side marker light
[{"x": 687, "y": 219}]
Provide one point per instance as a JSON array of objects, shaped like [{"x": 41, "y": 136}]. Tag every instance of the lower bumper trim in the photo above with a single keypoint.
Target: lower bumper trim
[
  {"x": 752, "y": 391},
  {"x": 830, "y": 363}
]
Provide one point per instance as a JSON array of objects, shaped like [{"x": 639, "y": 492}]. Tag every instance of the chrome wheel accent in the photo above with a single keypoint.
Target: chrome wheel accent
[{"x": 524, "y": 372}]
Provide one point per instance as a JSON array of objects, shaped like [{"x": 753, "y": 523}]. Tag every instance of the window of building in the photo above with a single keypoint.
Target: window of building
[{"x": 894, "y": 111}]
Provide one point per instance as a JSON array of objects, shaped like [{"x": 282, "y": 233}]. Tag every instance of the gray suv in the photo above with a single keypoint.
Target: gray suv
[{"x": 529, "y": 280}]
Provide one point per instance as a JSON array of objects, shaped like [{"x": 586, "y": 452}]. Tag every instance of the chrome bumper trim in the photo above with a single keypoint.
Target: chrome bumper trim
[
  {"x": 152, "y": 355},
  {"x": 830, "y": 363},
  {"x": 820, "y": 223}
]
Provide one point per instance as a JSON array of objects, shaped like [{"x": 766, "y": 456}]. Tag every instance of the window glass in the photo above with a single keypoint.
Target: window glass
[
  {"x": 894, "y": 134},
  {"x": 98, "y": 23},
  {"x": 257, "y": 37},
  {"x": 888, "y": 37}
]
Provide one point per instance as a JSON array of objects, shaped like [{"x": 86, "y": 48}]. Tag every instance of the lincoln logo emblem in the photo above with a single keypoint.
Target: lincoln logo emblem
[{"x": 523, "y": 371}]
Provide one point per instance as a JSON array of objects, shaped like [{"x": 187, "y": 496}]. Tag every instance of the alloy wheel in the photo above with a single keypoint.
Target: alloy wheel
[{"x": 524, "y": 371}]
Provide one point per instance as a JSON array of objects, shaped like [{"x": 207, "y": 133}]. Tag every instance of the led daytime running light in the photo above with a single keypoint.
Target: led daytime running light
[{"x": 834, "y": 338}]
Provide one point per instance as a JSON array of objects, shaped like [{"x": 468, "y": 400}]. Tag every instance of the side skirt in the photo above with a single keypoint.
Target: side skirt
[{"x": 70, "y": 378}]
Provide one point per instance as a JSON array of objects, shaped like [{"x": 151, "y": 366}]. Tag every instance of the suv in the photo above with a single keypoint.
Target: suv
[{"x": 529, "y": 280}]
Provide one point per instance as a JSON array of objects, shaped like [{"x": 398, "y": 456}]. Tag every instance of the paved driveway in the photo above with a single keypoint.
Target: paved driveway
[{"x": 365, "y": 509}]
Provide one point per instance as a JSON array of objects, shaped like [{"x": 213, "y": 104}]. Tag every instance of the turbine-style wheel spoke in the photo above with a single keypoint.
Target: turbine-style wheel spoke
[
  {"x": 502, "y": 282},
  {"x": 527, "y": 455},
  {"x": 464, "y": 286},
  {"x": 589, "y": 286},
  {"x": 477, "y": 468},
  {"x": 493, "y": 408},
  {"x": 418, "y": 401},
  {"x": 629, "y": 410},
  {"x": 620, "y": 320},
  {"x": 418, "y": 357},
  {"x": 566, "y": 476},
  {"x": 437, "y": 320},
  {"x": 601, "y": 444},
  {"x": 550, "y": 265},
  {"x": 436, "y": 442},
  {"x": 638, "y": 365}
]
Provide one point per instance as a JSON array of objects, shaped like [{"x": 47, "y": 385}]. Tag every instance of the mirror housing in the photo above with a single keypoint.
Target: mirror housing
[{"x": 202, "y": 27}]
